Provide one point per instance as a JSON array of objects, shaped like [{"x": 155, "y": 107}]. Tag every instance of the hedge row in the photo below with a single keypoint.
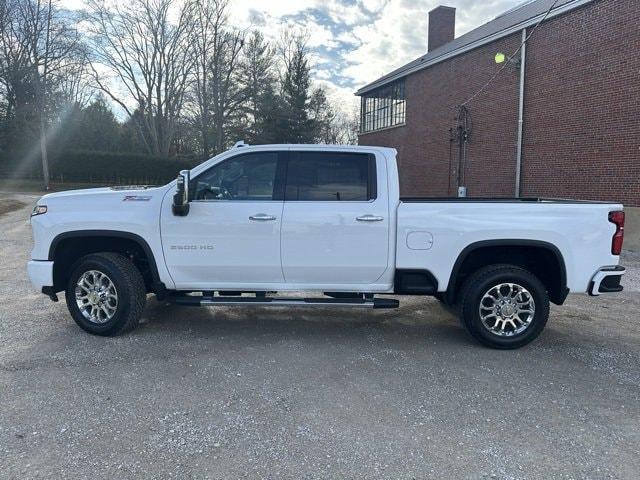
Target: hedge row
[{"x": 98, "y": 167}]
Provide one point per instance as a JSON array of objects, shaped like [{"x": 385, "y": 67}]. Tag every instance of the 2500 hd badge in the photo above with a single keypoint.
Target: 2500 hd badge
[{"x": 191, "y": 247}]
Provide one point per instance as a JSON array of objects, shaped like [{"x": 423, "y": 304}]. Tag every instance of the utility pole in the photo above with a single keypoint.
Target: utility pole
[
  {"x": 43, "y": 103},
  {"x": 43, "y": 150},
  {"x": 523, "y": 64},
  {"x": 462, "y": 132}
]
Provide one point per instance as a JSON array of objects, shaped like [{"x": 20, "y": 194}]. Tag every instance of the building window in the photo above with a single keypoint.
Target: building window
[{"x": 383, "y": 108}]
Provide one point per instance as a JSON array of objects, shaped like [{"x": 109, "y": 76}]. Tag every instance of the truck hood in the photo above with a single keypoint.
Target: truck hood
[
  {"x": 132, "y": 210},
  {"x": 109, "y": 194}
]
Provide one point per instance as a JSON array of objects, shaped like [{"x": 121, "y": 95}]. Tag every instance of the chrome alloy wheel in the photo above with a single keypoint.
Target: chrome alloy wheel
[
  {"x": 507, "y": 309},
  {"x": 96, "y": 296}
]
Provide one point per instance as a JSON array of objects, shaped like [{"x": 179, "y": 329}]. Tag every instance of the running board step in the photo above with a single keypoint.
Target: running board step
[{"x": 287, "y": 302}]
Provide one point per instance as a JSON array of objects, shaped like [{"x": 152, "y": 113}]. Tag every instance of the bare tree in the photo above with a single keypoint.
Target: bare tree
[
  {"x": 38, "y": 45},
  {"x": 137, "y": 47},
  {"x": 76, "y": 87},
  {"x": 209, "y": 20},
  {"x": 217, "y": 91},
  {"x": 342, "y": 129},
  {"x": 188, "y": 80},
  {"x": 5, "y": 108},
  {"x": 38, "y": 49}
]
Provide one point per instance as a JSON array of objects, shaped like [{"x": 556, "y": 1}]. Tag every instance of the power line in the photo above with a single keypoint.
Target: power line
[{"x": 495, "y": 75}]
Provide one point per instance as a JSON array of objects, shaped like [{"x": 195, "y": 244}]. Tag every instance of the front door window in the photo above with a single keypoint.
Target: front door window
[{"x": 250, "y": 177}]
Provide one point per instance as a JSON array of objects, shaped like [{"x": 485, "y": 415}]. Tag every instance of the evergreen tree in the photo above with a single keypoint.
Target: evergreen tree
[
  {"x": 98, "y": 130},
  {"x": 131, "y": 138},
  {"x": 321, "y": 115},
  {"x": 271, "y": 123},
  {"x": 258, "y": 77},
  {"x": 296, "y": 84}
]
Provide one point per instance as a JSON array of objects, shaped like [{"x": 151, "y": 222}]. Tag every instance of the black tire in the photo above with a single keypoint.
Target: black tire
[
  {"x": 481, "y": 282},
  {"x": 128, "y": 283}
]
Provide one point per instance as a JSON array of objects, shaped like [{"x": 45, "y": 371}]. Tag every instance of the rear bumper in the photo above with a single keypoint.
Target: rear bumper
[
  {"x": 607, "y": 280},
  {"x": 40, "y": 273}
]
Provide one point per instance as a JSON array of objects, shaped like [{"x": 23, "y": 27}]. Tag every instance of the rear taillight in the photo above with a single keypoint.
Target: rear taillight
[{"x": 617, "y": 218}]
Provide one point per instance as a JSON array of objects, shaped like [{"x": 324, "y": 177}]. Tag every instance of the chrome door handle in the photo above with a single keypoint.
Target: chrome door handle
[
  {"x": 262, "y": 217},
  {"x": 370, "y": 218}
]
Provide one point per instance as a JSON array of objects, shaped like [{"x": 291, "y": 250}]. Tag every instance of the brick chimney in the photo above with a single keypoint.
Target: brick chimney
[{"x": 442, "y": 26}]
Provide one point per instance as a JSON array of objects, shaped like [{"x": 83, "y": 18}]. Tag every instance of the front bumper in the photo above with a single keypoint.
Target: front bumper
[
  {"x": 607, "y": 280},
  {"x": 40, "y": 273}
]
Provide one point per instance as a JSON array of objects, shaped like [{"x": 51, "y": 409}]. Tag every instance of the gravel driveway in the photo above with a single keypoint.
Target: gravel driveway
[{"x": 260, "y": 393}]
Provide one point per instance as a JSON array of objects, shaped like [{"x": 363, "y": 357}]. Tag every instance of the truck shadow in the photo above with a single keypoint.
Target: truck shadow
[{"x": 422, "y": 320}]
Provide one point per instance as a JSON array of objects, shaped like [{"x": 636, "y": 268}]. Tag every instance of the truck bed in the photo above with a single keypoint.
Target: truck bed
[
  {"x": 527, "y": 200},
  {"x": 435, "y": 232}
]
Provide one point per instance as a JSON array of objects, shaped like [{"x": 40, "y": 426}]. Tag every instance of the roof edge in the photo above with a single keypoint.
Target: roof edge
[{"x": 403, "y": 71}]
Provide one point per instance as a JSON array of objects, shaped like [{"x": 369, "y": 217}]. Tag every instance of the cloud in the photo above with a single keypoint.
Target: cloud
[
  {"x": 257, "y": 18},
  {"x": 355, "y": 42}
]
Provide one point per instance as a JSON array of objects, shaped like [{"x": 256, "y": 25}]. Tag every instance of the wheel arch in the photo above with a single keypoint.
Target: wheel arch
[
  {"x": 551, "y": 270},
  {"x": 93, "y": 241}
]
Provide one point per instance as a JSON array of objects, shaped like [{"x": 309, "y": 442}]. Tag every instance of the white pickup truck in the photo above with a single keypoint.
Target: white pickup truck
[{"x": 255, "y": 221}]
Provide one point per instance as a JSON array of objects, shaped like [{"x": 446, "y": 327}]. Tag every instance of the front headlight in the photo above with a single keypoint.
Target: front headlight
[{"x": 38, "y": 210}]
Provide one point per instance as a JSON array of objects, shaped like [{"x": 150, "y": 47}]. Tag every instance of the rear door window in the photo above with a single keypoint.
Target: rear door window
[{"x": 331, "y": 177}]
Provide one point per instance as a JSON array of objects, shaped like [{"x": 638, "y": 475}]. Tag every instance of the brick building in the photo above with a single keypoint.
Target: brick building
[{"x": 579, "y": 76}]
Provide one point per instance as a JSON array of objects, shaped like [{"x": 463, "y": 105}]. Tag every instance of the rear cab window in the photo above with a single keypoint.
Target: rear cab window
[{"x": 331, "y": 177}]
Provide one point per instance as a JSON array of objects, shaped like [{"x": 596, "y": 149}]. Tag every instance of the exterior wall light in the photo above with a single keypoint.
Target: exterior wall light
[{"x": 502, "y": 58}]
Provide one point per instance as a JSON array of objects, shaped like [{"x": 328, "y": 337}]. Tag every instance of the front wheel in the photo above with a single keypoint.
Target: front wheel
[
  {"x": 106, "y": 294},
  {"x": 504, "y": 306}
]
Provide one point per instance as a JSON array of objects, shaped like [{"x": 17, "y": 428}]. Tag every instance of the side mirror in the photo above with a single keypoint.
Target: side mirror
[{"x": 180, "y": 205}]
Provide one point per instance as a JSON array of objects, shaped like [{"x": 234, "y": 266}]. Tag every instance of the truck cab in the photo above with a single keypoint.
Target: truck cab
[{"x": 286, "y": 219}]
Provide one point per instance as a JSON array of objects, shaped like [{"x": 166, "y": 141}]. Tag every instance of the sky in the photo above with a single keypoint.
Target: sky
[{"x": 354, "y": 42}]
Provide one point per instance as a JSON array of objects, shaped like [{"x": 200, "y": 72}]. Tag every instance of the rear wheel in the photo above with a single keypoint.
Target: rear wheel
[
  {"x": 106, "y": 294},
  {"x": 504, "y": 306}
]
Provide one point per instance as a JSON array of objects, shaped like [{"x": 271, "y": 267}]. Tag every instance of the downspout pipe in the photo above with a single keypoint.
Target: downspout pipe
[{"x": 523, "y": 61}]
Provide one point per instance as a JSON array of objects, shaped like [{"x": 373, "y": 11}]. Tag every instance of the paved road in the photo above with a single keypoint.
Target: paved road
[{"x": 241, "y": 393}]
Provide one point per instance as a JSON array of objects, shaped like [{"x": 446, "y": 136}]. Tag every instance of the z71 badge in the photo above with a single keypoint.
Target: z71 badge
[{"x": 136, "y": 198}]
